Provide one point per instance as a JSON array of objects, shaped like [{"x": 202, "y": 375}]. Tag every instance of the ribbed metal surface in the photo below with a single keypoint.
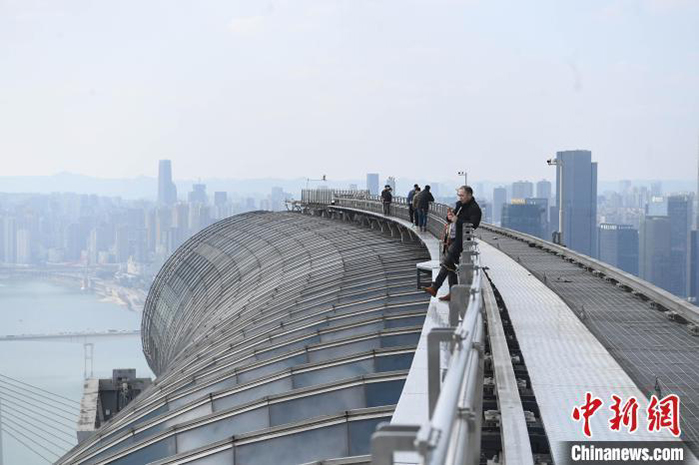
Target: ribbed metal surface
[
  {"x": 265, "y": 330},
  {"x": 641, "y": 339}
]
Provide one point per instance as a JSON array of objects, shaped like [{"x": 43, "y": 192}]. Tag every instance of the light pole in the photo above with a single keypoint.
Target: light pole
[
  {"x": 315, "y": 180},
  {"x": 465, "y": 175},
  {"x": 558, "y": 163}
]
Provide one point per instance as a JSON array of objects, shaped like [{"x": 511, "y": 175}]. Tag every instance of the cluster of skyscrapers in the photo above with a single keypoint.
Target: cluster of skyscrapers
[
  {"x": 637, "y": 229},
  {"x": 72, "y": 228}
]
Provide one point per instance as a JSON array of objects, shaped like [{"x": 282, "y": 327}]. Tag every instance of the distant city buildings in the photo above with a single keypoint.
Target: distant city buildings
[
  {"x": 167, "y": 191},
  {"x": 526, "y": 215},
  {"x": 694, "y": 267},
  {"x": 130, "y": 236},
  {"x": 522, "y": 190},
  {"x": 580, "y": 199},
  {"x": 654, "y": 250},
  {"x": 618, "y": 246},
  {"x": 499, "y": 199},
  {"x": 391, "y": 181},
  {"x": 198, "y": 194},
  {"x": 372, "y": 183},
  {"x": 543, "y": 189},
  {"x": 679, "y": 211}
]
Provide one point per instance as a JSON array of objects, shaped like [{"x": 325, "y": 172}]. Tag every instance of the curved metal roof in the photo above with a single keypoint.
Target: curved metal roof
[{"x": 265, "y": 330}]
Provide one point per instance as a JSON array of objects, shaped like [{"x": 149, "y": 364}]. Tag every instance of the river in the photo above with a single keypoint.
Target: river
[{"x": 35, "y": 306}]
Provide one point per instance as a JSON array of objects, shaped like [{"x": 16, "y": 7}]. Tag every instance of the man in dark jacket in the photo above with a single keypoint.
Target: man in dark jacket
[
  {"x": 411, "y": 210},
  {"x": 423, "y": 206},
  {"x": 386, "y": 199},
  {"x": 466, "y": 211}
]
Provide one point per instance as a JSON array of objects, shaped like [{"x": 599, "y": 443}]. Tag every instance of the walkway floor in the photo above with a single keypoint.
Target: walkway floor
[{"x": 563, "y": 358}]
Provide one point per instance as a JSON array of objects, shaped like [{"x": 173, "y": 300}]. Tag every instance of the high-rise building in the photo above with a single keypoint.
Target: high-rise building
[
  {"x": 122, "y": 245},
  {"x": 656, "y": 206},
  {"x": 543, "y": 189},
  {"x": 487, "y": 210},
  {"x": 656, "y": 189},
  {"x": 618, "y": 246},
  {"x": 10, "y": 239},
  {"x": 73, "y": 242},
  {"x": 654, "y": 251},
  {"x": 277, "y": 199},
  {"x": 543, "y": 204},
  {"x": 98, "y": 243},
  {"x": 524, "y": 217},
  {"x": 24, "y": 246},
  {"x": 220, "y": 198},
  {"x": 694, "y": 268},
  {"x": 522, "y": 190},
  {"x": 679, "y": 210},
  {"x": 580, "y": 197},
  {"x": 499, "y": 199},
  {"x": 553, "y": 222},
  {"x": 198, "y": 194},
  {"x": 372, "y": 183},
  {"x": 696, "y": 195},
  {"x": 167, "y": 191},
  {"x": 391, "y": 181},
  {"x": 163, "y": 223}
]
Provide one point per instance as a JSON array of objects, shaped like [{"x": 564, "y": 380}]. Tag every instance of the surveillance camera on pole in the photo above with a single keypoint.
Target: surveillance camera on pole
[
  {"x": 465, "y": 175},
  {"x": 558, "y": 163}
]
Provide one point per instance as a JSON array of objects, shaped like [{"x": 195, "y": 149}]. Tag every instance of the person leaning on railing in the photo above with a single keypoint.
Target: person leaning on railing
[{"x": 466, "y": 211}]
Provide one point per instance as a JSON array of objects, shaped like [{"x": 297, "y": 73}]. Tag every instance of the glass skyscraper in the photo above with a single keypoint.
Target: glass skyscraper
[
  {"x": 679, "y": 210},
  {"x": 618, "y": 246},
  {"x": 167, "y": 191},
  {"x": 499, "y": 199},
  {"x": 580, "y": 198},
  {"x": 654, "y": 248}
]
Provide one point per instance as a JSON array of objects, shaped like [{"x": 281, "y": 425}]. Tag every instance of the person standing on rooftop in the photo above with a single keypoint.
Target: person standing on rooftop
[
  {"x": 423, "y": 206},
  {"x": 466, "y": 211},
  {"x": 413, "y": 204},
  {"x": 386, "y": 199},
  {"x": 411, "y": 194}
]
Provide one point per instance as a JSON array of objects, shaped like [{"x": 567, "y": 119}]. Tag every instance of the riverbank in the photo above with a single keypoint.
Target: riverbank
[{"x": 107, "y": 290}]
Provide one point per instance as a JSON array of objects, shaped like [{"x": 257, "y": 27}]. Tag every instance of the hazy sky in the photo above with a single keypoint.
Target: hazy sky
[{"x": 305, "y": 87}]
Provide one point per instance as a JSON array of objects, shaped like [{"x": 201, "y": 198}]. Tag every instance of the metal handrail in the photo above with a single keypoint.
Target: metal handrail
[
  {"x": 460, "y": 386},
  {"x": 653, "y": 292},
  {"x": 452, "y": 434}
]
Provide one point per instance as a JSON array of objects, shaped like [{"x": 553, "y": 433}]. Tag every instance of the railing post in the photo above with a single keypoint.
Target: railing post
[
  {"x": 390, "y": 438},
  {"x": 458, "y": 303},
  {"x": 434, "y": 378}
]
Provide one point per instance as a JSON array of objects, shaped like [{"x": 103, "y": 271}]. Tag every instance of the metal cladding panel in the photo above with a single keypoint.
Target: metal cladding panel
[{"x": 265, "y": 320}]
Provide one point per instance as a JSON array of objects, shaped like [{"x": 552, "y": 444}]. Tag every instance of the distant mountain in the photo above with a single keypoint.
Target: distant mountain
[
  {"x": 147, "y": 187},
  {"x": 144, "y": 187}
]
